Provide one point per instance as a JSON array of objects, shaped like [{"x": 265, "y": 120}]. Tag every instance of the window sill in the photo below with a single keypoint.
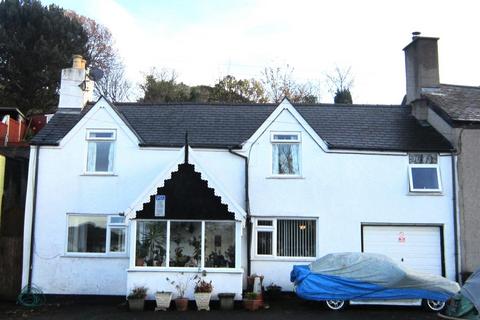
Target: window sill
[
  {"x": 99, "y": 174},
  {"x": 186, "y": 270},
  {"x": 287, "y": 176},
  {"x": 425, "y": 193},
  {"x": 285, "y": 259},
  {"x": 95, "y": 255}
]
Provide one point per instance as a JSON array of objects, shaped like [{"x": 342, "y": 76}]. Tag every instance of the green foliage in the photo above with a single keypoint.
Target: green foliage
[
  {"x": 160, "y": 90},
  {"x": 230, "y": 90},
  {"x": 343, "y": 96},
  {"x": 162, "y": 87},
  {"x": 36, "y": 42},
  {"x": 138, "y": 293}
]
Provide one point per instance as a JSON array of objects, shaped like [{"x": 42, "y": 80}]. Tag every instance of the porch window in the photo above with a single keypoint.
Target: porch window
[
  {"x": 424, "y": 173},
  {"x": 285, "y": 237},
  {"x": 219, "y": 244},
  {"x": 185, "y": 244},
  {"x": 151, "y": 243},
  {"x": 285, "y": 157},
  {"x": 100, "y": 151},
  {"x": 96, "y": 234}
]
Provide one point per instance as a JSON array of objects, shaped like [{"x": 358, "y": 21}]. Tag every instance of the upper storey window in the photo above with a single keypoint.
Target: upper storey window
[
  {"x": 100, "y": 151},
  {"x": 424, "y": 172},
  {"x": 286, "y": 153}
]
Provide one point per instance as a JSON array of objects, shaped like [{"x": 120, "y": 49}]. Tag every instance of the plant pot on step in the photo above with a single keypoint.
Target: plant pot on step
[
  {"x": 163, "y": 300},
  {"x": 252, "y": 305},
  {"x": 181, "y": 304},
  {"x": 202, "y": 299},
  {"x": 136, "y": 304},
  {"x": 226, "y": 301}
]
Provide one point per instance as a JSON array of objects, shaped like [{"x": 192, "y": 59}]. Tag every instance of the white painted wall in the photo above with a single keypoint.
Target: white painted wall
[
  {"x": 63, "y": 187},
  {"x": 342, "y": 191}
]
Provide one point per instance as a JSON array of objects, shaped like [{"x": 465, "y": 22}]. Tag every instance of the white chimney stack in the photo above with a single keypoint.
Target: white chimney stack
[{"x": 76, "y": 88}]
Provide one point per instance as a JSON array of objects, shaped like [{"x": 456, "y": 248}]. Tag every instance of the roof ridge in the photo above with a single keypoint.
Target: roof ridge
[{"x": 460, "y": 86}]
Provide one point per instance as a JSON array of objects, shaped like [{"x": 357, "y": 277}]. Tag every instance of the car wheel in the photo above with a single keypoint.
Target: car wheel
[
  {"x": 335, "y": 304},
  {"x": 435, "y": 305}
]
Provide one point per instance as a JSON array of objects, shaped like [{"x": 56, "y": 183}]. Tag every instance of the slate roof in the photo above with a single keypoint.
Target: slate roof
[
  {"x": 456, "y": 104},
  {"x": 359, "y": 127}
]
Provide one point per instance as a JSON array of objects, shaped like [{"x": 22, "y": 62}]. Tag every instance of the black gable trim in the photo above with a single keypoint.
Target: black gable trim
[{"x": 188, "y": 197}]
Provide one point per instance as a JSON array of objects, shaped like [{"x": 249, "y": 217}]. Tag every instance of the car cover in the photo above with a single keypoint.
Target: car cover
[
  {"x": 349, "y": 276},
  {"x": 471, "y": 289}
]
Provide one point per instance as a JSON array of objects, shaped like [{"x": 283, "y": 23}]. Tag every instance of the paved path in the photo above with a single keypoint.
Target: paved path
[{"x": 297, "y": 311}]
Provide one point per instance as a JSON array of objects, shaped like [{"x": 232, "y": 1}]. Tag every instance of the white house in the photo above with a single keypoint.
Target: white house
[{"x": 130, "y": 194}]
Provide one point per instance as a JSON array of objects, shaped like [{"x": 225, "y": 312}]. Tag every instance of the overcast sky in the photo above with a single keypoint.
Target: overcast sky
[{"x": 206, "y": 40}]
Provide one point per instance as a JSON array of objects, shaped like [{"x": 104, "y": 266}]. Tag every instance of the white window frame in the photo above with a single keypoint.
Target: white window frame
[
  {"x": 273, "y": 228},
  {"x": 297, "y": 141},
  {"x": 108, "y": 225},
  {"x": 89, "y": 139},
  {"x": 410, "y": 178},
  {"x": 237, "y": 229}
]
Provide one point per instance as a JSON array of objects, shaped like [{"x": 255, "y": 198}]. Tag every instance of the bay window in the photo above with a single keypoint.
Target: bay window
[
  {"x": 96, "y": 234},
  {"x": 185, "y": 244},
  {"x": 287, "y": 237}
]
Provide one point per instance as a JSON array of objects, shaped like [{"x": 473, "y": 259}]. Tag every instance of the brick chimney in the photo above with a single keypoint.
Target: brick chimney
[
  {"x": 421, "y": 65},
  {"x": 76, "y": 88}
]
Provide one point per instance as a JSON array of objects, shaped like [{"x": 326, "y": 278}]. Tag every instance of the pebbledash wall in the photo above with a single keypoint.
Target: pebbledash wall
[{"x": 340, "y": 189}]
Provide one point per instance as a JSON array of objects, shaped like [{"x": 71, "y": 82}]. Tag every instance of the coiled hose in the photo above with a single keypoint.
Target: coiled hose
[{"x": 31, "y": 297}]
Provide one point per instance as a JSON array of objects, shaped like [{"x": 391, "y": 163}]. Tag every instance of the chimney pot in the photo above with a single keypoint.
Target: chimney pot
[
  {"x": 78, "y": 62},
  {"x": 415, "y": 34}
]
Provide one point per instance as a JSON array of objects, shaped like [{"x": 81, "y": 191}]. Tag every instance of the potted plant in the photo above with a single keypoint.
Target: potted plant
[
  {"x": 226, "y": 300},
  {"x": 251, "y": 301},
  {"x": 181, "y": 285},
  {"x": 136, "y": 298},
  {"x": 163, "y": 299},
  {"x": 203, "y": 292}
]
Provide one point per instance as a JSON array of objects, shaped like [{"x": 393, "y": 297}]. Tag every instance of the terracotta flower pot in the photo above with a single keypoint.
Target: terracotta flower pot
[
  {"x": 252, "y": 305},
  {"x": 202, "y": 299},
  {"x": 181, "y": 304}
]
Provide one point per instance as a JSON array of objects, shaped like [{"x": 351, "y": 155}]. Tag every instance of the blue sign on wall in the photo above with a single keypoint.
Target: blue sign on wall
[{"x": 160, "y": 205}]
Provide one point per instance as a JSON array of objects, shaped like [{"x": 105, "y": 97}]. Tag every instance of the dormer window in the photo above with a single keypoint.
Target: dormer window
[
  {"x": 424, "y": 173},
  {"x": 286, "y": 154},
  {"x": 100, "y": 151}
]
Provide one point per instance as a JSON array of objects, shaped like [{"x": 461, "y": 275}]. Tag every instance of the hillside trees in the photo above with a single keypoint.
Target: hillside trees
[{"x": 36, "y": 42}]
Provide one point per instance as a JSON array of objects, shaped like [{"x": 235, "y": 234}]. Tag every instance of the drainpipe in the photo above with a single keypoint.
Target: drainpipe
[
  {"x": 456, "y": 217},
  {"x": 34, "y": 209},
  {"x": 247, "y": 209}
]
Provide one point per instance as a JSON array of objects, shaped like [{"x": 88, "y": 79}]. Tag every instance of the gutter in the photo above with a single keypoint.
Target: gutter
[
  {"x": 247, "y": 209},
  {"x": 34, "y": 209}
]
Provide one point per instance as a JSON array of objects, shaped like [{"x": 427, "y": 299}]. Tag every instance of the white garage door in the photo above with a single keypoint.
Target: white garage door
[{"x": 418, "y": 248}]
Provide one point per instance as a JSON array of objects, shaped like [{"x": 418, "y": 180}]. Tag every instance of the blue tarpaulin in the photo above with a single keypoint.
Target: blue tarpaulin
[
  {"x": 314, "y": 286},
  {"x": 367, "y": 276}
]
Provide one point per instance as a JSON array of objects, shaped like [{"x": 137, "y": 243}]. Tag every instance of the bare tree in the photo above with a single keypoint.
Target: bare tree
[
  {"x": 102, "y": 54},
  {"x": 113, "y": 85},
  {"x": 340, "y": 82},
  {"x": 279, "y": 83}
]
